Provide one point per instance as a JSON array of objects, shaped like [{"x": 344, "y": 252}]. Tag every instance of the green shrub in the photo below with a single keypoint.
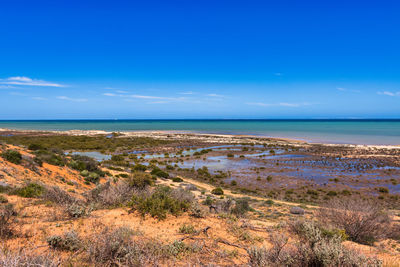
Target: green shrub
[
  {"x": 162, "y": 201},
  {"x": 50, "y": 157},
  {"x": 85, "y": 173},
  {"x": 139, "y": 167},
  {"x": 117, "y": 158},
  {"x": 159, "y": 173},
  {"x": 140, "y": 180},
  {"x": 217, "y": 191},
  {"x": 12, "y": 156},
  {"x": 123, "y": 175},
  {"x": 187, "y": 229},
  {"x": 31, "y": 190},
  {"x": 332, "y": 193},
  {"x": 177, "y": 179},
  {"x": 233, "y": 183},
  {"x": 230, "y": 155},
  {"x": 269, "y": 202},
  {"x": 383, "y": 190},
  {"x": 3, "y": 199},
  {"x": 35, "y": 147},
  {"x": 92, "y": 178},
  {"x": 241, "y": 208}
]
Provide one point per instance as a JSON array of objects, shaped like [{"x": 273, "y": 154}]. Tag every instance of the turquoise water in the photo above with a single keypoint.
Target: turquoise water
[{"x": 382, "y": 132}]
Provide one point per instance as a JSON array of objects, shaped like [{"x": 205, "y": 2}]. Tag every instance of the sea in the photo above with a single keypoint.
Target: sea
[{"x": 343, "y": 131}]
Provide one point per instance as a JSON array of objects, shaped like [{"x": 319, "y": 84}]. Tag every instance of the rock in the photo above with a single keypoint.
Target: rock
[{"x": 297, "y": 210}]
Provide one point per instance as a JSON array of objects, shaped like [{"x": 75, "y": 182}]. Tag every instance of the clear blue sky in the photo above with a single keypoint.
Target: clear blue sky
[{"x": 199, "y": 59}]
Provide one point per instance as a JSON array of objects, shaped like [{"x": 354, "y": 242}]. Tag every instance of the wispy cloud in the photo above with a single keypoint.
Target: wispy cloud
[
  {"x": 26, "y": 81},
  {"x": 7, "y": 87},
  {"x": 281, "y": 104},
  {"x": 187, "y": 93},
  {"x": 258, "y": 104},
  {"x": 347, "y": 90},
  {"x": 148, "y": 97},
  {"x": 109, "y": 94},
  {"x": 215, "y": 95},
  {"x": 39, "y": 98},
  {"x": 72, "y": 99},
  {"x": 388, "y": 93},
  {"x": 278, "y": 74}
]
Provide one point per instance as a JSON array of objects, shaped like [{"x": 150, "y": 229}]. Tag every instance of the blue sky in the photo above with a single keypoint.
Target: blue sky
[{"x": 199, "y": 59}]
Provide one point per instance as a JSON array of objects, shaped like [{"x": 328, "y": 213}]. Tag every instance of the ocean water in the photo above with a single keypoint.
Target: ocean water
[{"x": 370, "y": 132}]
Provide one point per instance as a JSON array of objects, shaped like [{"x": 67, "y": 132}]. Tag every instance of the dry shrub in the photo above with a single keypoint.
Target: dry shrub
[
  {"x": 110, "y": 195},
  {"x": 69, "y": 241},
  {"x": 58, "y": 196},
  {"x": 26, "y": 258},
  {"x": 363, "y": 220},
  {"x": 313, "y": 249},
  {"x": 73, "y": 207},
  {"x": 7, "y": 214},
  {"x": 116, "y": 247}
]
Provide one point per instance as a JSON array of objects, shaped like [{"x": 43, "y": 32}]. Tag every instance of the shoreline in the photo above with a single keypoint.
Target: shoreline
[{"x": 213, "y": 137}]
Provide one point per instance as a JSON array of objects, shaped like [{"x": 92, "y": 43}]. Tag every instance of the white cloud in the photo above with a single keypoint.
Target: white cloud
[
  {"x": 72, "y": 99},
  {"x": 158, "y": 102},
  {"x": 21, "y": 80},
  {"x": 38, "y": 98},
  {"x": 281, "y": 104},
  {"x": 187, "y": 93},
  {"x": 347, "y": 90},
  {"x": 258, "y": 104},
  {"x": 109, "y": 94},
  {"x": 215, "y": 95},
  {"x": 389, "y": 93},
  {"x": 293, "y": 105},
  {"x": 278, "y": 74}
]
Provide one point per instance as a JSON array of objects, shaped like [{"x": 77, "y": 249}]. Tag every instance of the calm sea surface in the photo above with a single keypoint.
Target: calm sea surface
[{"x": 383, "y": 132}]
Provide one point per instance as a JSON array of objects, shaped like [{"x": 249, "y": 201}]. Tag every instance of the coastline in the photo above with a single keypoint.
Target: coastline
[{"x": 209, "y": 137}]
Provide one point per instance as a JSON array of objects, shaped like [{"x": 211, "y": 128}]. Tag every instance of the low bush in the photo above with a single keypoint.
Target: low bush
[
  {"x": 12, "y": 156},
  {"x": 159, "y": 173},
  {"x": 177, "y": 180},
  {"x": 92, "y": 178},
  {"x": 31, "y": 190},
  {"x": 312, "y": 249},
  {"x": 364, "y": 221},
  {"x": 161, "y": 201},
  {"x": 51, "y": 157},
  {"x": 117, "y": 248},
  {"x": 140, "y": 180},
  {"x": 24, "y": 258},
  {"x": 3, "y": 199},
  {"x": 35, "y": 147},
  {"x": 241, "y": 208},
  {"x": 187, "y": 229},
  {"x": 70, "y": 241},
  {"x": 58, "y": 196},
  {"x": 139, "y": 167},
  {"x": 217, "y": 191},
  {"x": 7, "y": 215},
  {"x": 77, "y": 210}
]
